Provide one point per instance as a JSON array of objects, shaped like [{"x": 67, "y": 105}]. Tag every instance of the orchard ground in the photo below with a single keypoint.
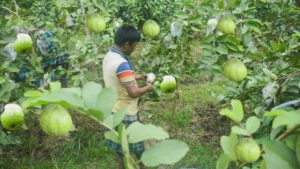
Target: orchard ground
[{"x": 190, "y": 115}]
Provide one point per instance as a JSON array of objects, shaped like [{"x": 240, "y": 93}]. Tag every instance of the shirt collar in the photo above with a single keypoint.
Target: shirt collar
[
  {"x": 119, "y": 52},
  {"x": 115, "y": 50}
]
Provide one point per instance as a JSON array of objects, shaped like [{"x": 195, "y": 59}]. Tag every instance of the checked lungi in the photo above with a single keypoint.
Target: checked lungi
[{"x": 134, "y": 148}]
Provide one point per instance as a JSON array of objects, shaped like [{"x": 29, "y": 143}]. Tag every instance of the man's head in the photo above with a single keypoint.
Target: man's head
[{"x": 126, "y": 38}]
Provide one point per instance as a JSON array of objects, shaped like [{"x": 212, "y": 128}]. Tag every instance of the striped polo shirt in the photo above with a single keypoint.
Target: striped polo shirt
[{"x": 117, "y": 72}]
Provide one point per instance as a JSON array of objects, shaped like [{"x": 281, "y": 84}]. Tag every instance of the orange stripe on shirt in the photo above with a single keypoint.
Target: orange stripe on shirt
[{"x": 125, "y": 74}]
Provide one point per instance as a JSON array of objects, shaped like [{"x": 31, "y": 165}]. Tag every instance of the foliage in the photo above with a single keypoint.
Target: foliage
[
  {"x": 276, "y": 131},
  {"x": 97, "y": 103}
]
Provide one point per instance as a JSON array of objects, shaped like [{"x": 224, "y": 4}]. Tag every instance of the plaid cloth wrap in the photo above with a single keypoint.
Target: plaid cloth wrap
[{"x": 134, "y": 148}]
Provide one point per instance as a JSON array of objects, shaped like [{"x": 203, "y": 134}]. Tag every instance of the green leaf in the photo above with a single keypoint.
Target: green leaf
[
  {"x": 90, "y": 92},
  {"x": 112, "y": 136},
  {"x": 139, "y": 132},
  {"x": 237, "y": 112},
  {"x": 116, "y": 118},
  {"x": 164, "y": 152},
  {"x": 273, "y": 161},
  {"x": 255, "y": 29},
  {"x": 231, "y": 3},
  {"x": 298, "y": 148},
  {"x": 252, "y": 124},
  {"x": 290, "y": 141},
  {"x": 54, "y": 86},
  {"x": 239, "y": 131},
  {"x": 253, "y": 20},
  {"x": 61, "y": 97},
  {"x": 74, "y": 90},
  {"x": 281, "y": 152},
  {"x": 64, "y": 3},
  {"x": 119, "y": 116},
  {"x": 289, "y": 119},
  {"x": 223, "y": 162},
  {"x": 228, "y": 144},
  {"x": 106, "y": 101},
  {"x": 2, "y": 79},
  {"x": 270, "y": 74},
  {"x": 33, "y": 93},
  {"x": 275, "y": 112},
  {"x": 222, "y": 49},
  {"x": 97, "y": 114}
]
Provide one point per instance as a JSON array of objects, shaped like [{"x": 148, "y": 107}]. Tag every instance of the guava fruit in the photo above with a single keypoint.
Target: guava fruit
[
  {"x": 227, "y": 25},
  {"x": 247, "y": 150},
  {"x": 23, "y": 43},
  {"x": 235, "y": 70},
  {"x": 96, "y": 23},
  {"x": 55, "y": 120},
  {"x": 12, "y": 117},
  {"x": 168, "y": 84},
  {"x": 151, "y": 28}
]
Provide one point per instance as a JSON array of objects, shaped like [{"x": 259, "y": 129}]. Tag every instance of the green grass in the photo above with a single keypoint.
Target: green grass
[
  {"x": 84, "y": 150},
  {"x": 199, "y": 157}
]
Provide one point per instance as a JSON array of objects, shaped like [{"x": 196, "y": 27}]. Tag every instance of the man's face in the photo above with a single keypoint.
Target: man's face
[{"x": 129, "y": 48}]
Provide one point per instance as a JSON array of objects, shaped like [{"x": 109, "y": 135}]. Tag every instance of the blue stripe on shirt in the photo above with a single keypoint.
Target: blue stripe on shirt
[{"x": 123, "y": 67}]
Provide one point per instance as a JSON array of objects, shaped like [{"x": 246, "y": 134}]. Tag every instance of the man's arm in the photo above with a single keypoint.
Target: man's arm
[
  {"x": 128, "y": 80},
  {"x": 140, "y": 77},
  {"x": 134, "y": 91}
]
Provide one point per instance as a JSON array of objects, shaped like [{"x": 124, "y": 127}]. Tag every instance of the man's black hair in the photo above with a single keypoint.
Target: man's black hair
[{"x": 126, "y": 33}]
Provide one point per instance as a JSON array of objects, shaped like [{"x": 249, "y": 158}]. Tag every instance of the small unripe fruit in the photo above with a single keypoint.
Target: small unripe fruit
[
  {"x": 235, "y": 70},
  {"x": 151, "y": 28},
  {"x": 13, "y": 117},
  {"x": 247, "y": 150},
  {"x": 168, "y": 85},
  {"x": 96, "y": 23},
  {"x": 23, "y": 43},
  {"x": 227, "y": 25}
]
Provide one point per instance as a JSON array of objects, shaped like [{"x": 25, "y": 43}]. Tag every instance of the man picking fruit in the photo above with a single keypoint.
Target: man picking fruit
[{"x": 119, "y": 73}]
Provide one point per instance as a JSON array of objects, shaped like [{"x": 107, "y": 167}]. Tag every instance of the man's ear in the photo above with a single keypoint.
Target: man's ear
[{"x": 126, "y": 45}]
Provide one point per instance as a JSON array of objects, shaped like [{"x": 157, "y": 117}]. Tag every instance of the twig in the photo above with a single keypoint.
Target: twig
[
  {"x": 290, "y": 76},
  {"x": 15, "y": 13},
  {"x": 84, "y": 17},
  {"x": 286, "y": 133},
  {"x": 286, "y": 28}
]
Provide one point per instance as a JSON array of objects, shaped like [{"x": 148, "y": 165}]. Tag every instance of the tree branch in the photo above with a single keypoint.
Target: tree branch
[{"x": 286, "y": 133}]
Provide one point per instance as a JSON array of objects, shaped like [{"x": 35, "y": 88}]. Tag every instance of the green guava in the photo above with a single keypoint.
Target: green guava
[
  {"x": 151, "y": 28},
  {"x": 168, "y": 84},
  {"x": 247, "y": 150},
  {"x": 13, "y": 117},
  {"x": 235, "y": 70},
  {"x": 227, "y": 25},
  {"x": 23, "y": 43},
  {"x": 96, "y": 23},
  {"x": 55, "y": 120}
]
